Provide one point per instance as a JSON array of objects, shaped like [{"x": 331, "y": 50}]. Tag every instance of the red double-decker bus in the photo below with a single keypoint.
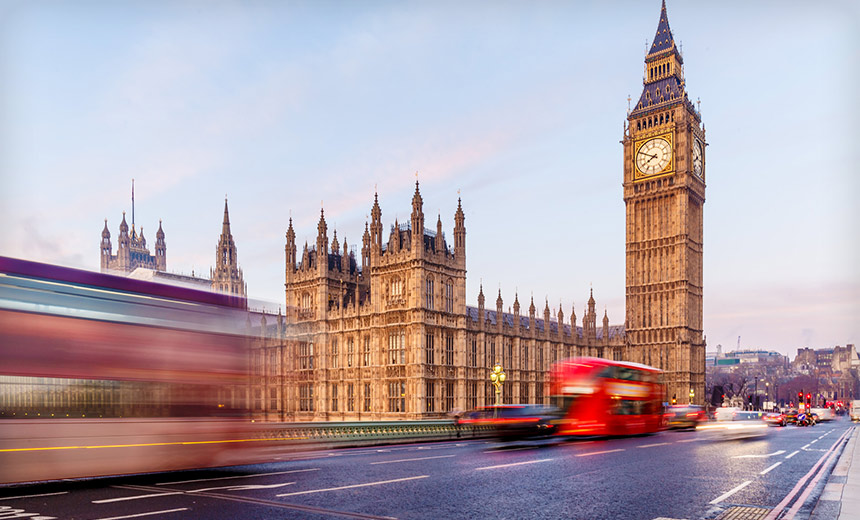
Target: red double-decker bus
[{"x": 602, "y": 397}]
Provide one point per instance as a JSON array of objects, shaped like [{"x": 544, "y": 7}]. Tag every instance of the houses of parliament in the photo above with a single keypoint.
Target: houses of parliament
[{"x": 383, "y": 331}]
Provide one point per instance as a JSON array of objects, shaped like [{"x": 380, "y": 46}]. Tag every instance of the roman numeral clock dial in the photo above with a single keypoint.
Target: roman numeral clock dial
[{"x": 654, "y": 157}]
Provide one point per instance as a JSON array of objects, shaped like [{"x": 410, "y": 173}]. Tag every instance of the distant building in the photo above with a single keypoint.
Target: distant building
[
  {"x": 227, "y": 276},
  {"x": 135, "y": 261},
  {"x": 183, "y": 280},
  {"x": 131, "y": 250},
  {"x": 827, "y": 361}
]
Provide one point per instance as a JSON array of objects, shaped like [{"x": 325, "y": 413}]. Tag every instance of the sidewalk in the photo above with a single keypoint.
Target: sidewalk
[{"x": 840, "y": 499}]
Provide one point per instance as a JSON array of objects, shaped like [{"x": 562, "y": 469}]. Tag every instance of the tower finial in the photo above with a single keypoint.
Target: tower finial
[{"x": 132, "y": 204}]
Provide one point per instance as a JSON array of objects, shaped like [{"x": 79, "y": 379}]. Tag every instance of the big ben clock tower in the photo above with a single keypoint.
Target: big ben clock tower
[{"x": 664, "y": 193}]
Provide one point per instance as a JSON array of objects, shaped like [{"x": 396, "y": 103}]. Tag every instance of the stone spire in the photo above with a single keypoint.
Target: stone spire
[
  {"x": 226, "y": 276},
  {"x": 290, "y": 248},
  {"x": 417, "y": 218},
  {"x": 459, "y": 230}
]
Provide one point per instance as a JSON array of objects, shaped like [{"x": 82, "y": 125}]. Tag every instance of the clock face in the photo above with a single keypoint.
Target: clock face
[
  {"x": 653, "y": 156},
  {"x": 697, "y": 158}
]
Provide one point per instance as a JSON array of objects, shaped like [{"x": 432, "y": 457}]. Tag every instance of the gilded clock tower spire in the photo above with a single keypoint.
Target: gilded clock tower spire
[{"x": 664, "y": 194}]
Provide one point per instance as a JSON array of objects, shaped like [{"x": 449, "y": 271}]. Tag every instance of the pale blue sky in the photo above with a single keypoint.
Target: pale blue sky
[{"x": 518, "y": 105}]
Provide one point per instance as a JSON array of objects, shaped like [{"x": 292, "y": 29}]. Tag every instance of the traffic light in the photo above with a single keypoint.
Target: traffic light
[
  {"x": 808, "y": 400},
  {"x": 674, "y": 401},
  {"x": 800, "y": 397}
]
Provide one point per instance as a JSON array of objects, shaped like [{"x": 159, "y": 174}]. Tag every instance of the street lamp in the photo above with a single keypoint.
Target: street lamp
[
  {"x": 767, "y": 393},
  {"x": 498, "y": 378},
  {"x": 692, "y": 394}
]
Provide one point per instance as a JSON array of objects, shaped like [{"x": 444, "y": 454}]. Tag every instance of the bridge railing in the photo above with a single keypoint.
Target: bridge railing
[{"x": 369, "y": 433}]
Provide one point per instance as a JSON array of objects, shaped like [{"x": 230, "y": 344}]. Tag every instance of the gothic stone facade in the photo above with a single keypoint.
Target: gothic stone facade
[
  {"x": 131, "y": 250},
  {"x": 664, "y": 195},
  {"x": 226, "y": 276},
  {"x": 388, "y": 334}
]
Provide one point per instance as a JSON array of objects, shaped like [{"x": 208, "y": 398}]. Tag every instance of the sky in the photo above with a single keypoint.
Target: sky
[{"x": 517, "y": 108}]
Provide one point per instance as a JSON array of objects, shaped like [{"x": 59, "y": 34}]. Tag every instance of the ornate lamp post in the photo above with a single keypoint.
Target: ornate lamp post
[{"x": 497, "y": 376}]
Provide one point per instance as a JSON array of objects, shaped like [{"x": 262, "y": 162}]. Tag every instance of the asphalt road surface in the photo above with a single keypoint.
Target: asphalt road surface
[{"x": 670, "y": 475}]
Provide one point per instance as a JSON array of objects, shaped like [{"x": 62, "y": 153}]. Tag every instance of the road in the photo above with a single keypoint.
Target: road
[{"x": 670, "y": 475}]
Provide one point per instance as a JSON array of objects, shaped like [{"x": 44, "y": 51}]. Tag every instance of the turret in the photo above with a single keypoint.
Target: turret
[
  {"x": 605, "y": 327},
  {"x": 417, "y": 221},
  {"x": 560, "y": 321},
  {"x": 532, "y": 320},
  {"x": 394, "y": 238},
  {"x": 124, "y": 242},
  {"x": 440, "y": 242},
  {"x": 460, "y": 232},
  {"x": 376, "y": 226},
  {"x": 322, "y": 244},
  {"x": 481, "y": 307},
  {"x": 516, "y": 313},
  {"x": 546, "y": 322},
  {"x": 160, "y": 249},
  {"x": 365, "y": 251},
  {"x": 106, "y": 247},
  {"x": 499, "y": 310},
  {"x": 290, "y": 250}
]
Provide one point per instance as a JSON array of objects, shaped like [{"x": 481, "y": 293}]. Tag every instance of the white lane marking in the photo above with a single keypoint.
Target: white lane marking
[
  {"x": 135, "y": 497},
  {"x": 145, "y": 514},
  {"x": 352, "y": 486},
  {"x": 765, "y": 472},
  {"x": 792, "y": 454},
  {"x": 28, "y": 496},
  {"x": 652, "y": 445},
  {"x": 804, "y": 447},
  {"x": 410, "y": 460},
  {"x": 813, "y": 442},
  {"x": 729, "y": 493},
  {"x": 689, "y": 440},
  {"x": 512, "y": 464},
  {"x": 599, "y": 452},
  {"x": 766, "y": 455},
  {"x": 248, "y": 487},
  {"x": 505, "y": 450},
  {"x": 237, "y": 476}
]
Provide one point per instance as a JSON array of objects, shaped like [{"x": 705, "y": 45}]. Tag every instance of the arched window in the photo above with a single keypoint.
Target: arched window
[
  {"x": 429, "y": 292},
  {"x": 449, "y": 296}
]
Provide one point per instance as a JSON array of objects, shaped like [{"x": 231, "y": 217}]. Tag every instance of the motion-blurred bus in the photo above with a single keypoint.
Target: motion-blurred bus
[
  {"x": 104, "y": 375},
  {"x": 602, "y": 397}
]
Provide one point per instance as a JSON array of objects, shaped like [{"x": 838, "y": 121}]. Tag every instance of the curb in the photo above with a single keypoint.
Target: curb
[{"x": 843, "y": 485}]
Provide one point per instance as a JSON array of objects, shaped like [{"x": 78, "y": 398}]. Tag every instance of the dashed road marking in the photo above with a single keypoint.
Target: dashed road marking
[
  {"x": 731, "y": 492},
  {"x": 236, "y": 476},
  {"x": 599, "y": 452},
  {"x": 653, "y": 445},
  {"x": 765, "y": 472},
  {"x": 145, "y": 514},
  {"x": 766, "y": 455},
  {"x": 39, "y": 495},
  {"x": 379, "y": 483},
  {"x": 137, "y": 497},
  {"x": 512, "y": 464},
  {"x": 792, "y": 454},
  {"x": 410, "y": 460}
]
